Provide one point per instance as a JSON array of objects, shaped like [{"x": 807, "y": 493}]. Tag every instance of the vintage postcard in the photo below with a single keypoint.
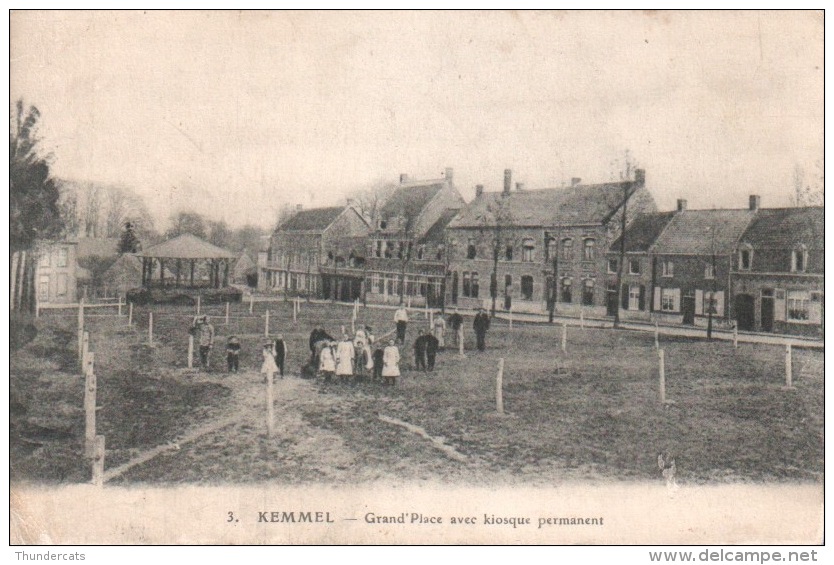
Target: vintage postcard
[{"x": 478, "y": 277}]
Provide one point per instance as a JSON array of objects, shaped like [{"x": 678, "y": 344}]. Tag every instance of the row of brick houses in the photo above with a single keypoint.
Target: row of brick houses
[{"x": 559, "y": 250}]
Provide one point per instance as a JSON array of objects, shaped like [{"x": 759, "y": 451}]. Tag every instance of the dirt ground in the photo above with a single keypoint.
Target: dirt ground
[{"x": 598, "y": 418}]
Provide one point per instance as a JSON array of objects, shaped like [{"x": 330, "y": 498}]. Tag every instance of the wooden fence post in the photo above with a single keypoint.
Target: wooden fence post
[
  {"x": 198, "y": 304},
  {"x": 661, "y": 361},
  {"x": 190, "y": 351},
  {"x": 511, "y": 317},
  {"x": 90, "y": 406},
  {"x": 130, "y": 314},
  {"x": 295, "y": 311},
  {"x": 656, "y": 336},
  {"x": 266, "y": 324},
  {"x": 120, "y": 306},
  {"x": 431, "y": 320},
  {"x": 499, "y": 387},
  {"x": 81, "y": 332},
  {"x": 227, "y": 313},
  {"x": 564, "y": 337},
  {"x": 270, "y": 416},
  {"x": 582, "y": 319},
  {"x": 788, "y": 366},
  {"x": 150, "y": 328},
  {"x": 98, "y": 461},
  {"x": 251, "y": 303},
  {"x": 460, "y": 341},
  {"x": 735, "y": 336}
]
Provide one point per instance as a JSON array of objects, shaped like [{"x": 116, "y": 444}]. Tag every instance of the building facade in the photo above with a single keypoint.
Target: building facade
[
  {"x": 540, "y": 249},
  {"x": 406, "y": 250},
  {"x": 56, "y": 275}
]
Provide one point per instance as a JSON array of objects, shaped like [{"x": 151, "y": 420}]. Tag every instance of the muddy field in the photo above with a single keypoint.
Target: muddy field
[{"x": 598, "y": 418}]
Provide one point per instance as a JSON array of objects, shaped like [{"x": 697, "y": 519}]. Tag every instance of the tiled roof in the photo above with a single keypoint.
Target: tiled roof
[
  {"x": 187, "y": 246},
  {"x": 436, "y": 232},
  {"x": 410, "y": 199},
  {"x": 642, "y": 232},
  {"x": 691, "y": 232},
  {"x": 582, "y": 204},
  {"x": 783, "y": 228},
  {"x": 314, "y": 219}
]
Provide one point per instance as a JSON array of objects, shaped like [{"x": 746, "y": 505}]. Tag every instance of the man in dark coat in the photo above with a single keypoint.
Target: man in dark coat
[
  {"x": 280, "y": 353},
  {"x": 420, "y": 351},
  {"x": 378, "y": 357},
  {"x": 481, "y": 325},
  {"x": 317, "y": 335},
  {"x": 456, "y": 323},
  {"x": 432, "y": 345}
]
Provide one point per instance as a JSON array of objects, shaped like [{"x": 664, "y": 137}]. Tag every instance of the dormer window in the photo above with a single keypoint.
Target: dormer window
[
  {"x": 470, "y": 249},
  {"x": 799, "y": 259},
  {"x": 745, "y": 258},
  {"x": 383, "y": 224}
]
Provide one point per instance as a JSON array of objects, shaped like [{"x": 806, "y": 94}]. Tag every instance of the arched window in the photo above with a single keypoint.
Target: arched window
[
  {"x": 508, "y": 252},
  {"x": 567, "y": 294},
  {"x": 470, "y": 249},
  {"x": 567, "y": 249},
  {"x": 588, "y": 292},
  {"x": 588, "y": 249},
  {"x": 527, "y": 287},
  {"x": 799, "y": 259},
  {"x": 528, "y": 250},
  {"x": 745, "y": 257}
]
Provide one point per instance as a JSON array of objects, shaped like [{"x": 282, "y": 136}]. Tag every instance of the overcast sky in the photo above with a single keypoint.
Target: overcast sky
[{"x": 233, "y": 114}]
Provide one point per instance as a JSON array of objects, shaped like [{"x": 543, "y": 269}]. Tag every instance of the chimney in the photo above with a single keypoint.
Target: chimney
[
  {"x": 403, "y": 178},
  {"x": 755, "y": 202},
  {"x": 575, "y": 181},
  {"x": 519, "y": 187},
  {"x": 351, "y": 202},
  {"x": 298, "y": 207},
  {"x": 449, "y": 174},
  {"x": 640, "y": 177},
  {"x": 479, "y": 190},
  {"x": 681, "y": 204},
  {"x": 508, "y": 180}
]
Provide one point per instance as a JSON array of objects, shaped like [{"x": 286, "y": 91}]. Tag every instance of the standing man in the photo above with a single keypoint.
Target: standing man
[
  {"x": 420, "y": 351},
  {"x": 401, "y": 319},
  {"x": 280, "y": 353},
  {"x": 432, "y": 345},
  {"x": 205, "y": 338},
  {"x": 481, "y": 325},
  {"x": 456, "y": 323}
]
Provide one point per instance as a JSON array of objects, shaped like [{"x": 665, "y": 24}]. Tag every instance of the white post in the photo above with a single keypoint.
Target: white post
[
  {"x": 353, "y": 326},
  {"x": 270, "y": 417},
  {"x": 499, "y": 387},
  {"x": 735, "y": 336},
  {"x": 582, "y": 319},
  {"x": 564, "y": 337},
  {"x": 98, "y": 461},
  {"x": 266, "y": 324},
  {"x": 80, "y": 331},
  {"x": 460, "y": 341},
  {"x": 90, "y": 406},
  {"x": 120, "y": 305},
  {"x": 37, "y": 306},
  {"x": 295, "y": 311},
  {"x": 190, "y": 351},
  {"x": 150, "y": 328},
  {"x": 343, "y": 330},
  {"x": 251, "y": 303},
  {"x": 511, "y": 317},
  {"x": 227, "y": 313},
  {"x": 431, "y": 320},
  {"x": 661, "y": 361},
  {"x": 426, "y": 310},
  {"x": 656, "y": 336},
  {"x": 130, "y": 314},
  {"x": 85, "y": 350},
  {"x": 198, "y": 304},
  {"x": 788, "y": 366}
]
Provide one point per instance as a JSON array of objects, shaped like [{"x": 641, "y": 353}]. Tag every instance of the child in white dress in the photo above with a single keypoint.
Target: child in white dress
[{"x": 269, "y": 367}]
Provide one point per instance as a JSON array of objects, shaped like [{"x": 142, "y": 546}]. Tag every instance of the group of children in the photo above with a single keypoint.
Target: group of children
[{"x": 354, "y": 358}]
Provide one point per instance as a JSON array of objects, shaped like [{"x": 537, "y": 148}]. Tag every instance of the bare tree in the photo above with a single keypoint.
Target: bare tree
[
  {"x": 369, "y": 201},
  {"x": 92, "y": 209},
  {"x": 496, "y": 222},
  {"x": 68, "y": 205},
  {"x": 117, "y": 210}
]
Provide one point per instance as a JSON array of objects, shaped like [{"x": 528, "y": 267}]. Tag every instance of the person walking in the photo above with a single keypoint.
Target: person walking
[
  {"x": 432, "y": 345},
  {"x": 233, "y": 353},
  {"x": 345, "y": 355},
  {"x": 280, "y": 353},
  {"x": 456, "y": 324},
  {"x": 481, "y": 325},
  {"x": 391, "y": 363},
  {"x": 401, "y": 319},
  {"x": 420, "y": 351}
]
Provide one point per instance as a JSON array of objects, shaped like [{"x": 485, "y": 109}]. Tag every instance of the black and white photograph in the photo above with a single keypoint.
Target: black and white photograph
[{"x": 416, "y": 277}]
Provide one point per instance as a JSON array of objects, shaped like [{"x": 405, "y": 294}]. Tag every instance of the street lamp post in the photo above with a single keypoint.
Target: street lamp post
[{"x": 714, "y": 278}]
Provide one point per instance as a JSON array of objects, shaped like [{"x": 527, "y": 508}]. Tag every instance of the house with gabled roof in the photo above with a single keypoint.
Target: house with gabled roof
[
  {"x": 692, "y": 258},
  {"x": 406, "y": 251},
  {"x": 778, "y": 272},
  {"x": 318, "y": 252},
  {"x": 549, "y": 245}
]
